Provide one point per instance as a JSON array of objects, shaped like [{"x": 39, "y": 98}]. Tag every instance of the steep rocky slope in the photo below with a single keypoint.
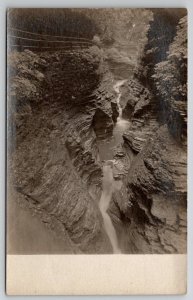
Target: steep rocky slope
[
  {"x": 54, "y": 156},
  {"x": 151, "y": 205}
]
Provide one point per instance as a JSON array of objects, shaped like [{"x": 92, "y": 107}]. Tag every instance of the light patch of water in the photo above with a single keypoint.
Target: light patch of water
[
  {"x": 109, "y": 184},
  {"x": 108, "y": 187}
]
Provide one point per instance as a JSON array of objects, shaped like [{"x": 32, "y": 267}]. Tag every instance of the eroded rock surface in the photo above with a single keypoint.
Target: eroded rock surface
[
  {"x": 150, "y": 210},
  {"x": 55, "y": 163}
]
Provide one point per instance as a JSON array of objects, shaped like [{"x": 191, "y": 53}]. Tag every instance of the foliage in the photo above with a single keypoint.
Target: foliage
[
  {"x": 52, "y": 21},
  {"x": 171, "y": 80},
  {"x": 24, "y": 74},
  {"x": 171, "y": 74}
]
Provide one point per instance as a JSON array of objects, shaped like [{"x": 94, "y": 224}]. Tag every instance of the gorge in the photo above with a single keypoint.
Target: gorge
[{"x": 97, "y": 131}]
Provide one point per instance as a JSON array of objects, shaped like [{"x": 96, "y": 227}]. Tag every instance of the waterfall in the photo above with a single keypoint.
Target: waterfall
[
  {"x": 105, "y": 199},
  {"x": 109, "y": 184},
  {"x": 117, "y": 90}
]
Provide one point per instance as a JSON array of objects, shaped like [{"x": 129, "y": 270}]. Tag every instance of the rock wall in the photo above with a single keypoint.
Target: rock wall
[
  {"x": 150, "y": 210},
  {"x": 171, "y": 84},
  {"x": 53, "y": 162}
]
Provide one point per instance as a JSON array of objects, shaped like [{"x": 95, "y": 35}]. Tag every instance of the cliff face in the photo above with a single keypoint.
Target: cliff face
[
  {"x": 54, "y": 156},
  {"x": 151, "y": 206},
  {"x": 171, "y": 84}
]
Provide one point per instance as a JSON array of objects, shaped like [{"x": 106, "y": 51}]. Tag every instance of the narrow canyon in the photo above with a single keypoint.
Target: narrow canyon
[{"x": 97, "y": 131}]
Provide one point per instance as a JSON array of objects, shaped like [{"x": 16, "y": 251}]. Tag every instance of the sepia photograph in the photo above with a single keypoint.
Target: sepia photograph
[{"x": 96, "y": 131}]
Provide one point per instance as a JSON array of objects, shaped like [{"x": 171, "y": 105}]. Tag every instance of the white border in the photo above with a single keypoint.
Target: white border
[
  {"x": 96, "y": 274},
  {"x": 97, "y": 3}
]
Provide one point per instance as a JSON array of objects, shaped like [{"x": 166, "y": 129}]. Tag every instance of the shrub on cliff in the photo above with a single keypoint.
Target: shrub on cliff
[
  {"x": 92, "y": 55},
  {"x": 171, "y": 82},
  {"x": 25, "y": 81},
  {"x": 24, "y": 74},
  {"x": 171, "y": 74}
]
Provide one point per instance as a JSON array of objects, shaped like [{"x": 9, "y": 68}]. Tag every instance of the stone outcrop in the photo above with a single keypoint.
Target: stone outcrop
[
  {"x": 140, "y": 108},
  {"x": 115, "y": 110}
]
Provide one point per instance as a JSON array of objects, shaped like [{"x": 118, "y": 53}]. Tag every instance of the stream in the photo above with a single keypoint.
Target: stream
[
  {"x": 108, "y": 188},
  {"x": 106, "y": 147},
  {"x": 109, "y": 184}
]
